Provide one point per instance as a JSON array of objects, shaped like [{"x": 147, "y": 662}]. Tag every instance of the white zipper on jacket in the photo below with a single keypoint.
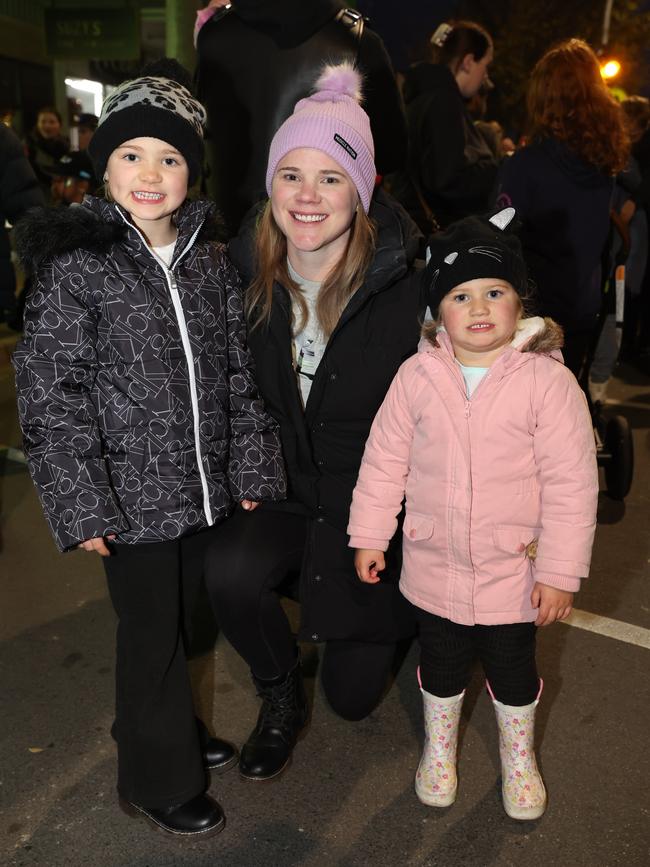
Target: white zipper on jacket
[{"x": 187, "y": 349}]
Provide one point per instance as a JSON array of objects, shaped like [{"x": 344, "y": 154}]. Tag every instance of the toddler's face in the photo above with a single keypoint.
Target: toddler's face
[
  {"x": 148, "y": 178},
  {"x": 480, "y": 317}
]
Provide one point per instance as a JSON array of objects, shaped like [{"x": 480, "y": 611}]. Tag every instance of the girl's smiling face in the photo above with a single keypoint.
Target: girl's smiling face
[
  {"x": 313, "y": 200},
  {"x": 148, "y": 178},
  {"x": 480, "y": 317}
]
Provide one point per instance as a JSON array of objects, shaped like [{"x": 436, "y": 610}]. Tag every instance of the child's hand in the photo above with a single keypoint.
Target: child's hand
[
  {"x": 97, "y": 544},
  {"x": 553, "y": 604},
  {"x": 368, "y": 564},
  {"x": 249, "y": 505}
]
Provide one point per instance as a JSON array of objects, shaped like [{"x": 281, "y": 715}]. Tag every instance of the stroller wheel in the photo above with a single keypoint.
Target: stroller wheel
[{"x": 620, "y": 466}]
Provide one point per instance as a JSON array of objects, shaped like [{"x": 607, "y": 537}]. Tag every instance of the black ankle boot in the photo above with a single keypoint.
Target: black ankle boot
[
  {"x": 199, "y": 818},
  {"x": 283, "y": 715},
  {"x": 218, "y": 755}
]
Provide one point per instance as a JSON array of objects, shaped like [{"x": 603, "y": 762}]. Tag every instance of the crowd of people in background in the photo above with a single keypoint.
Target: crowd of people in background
[{"x": 354, "y": 212}]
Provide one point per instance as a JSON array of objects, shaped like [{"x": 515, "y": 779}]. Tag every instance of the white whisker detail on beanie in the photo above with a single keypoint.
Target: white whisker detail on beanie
[
  {"x": 476, "y": 247},
  {"x": 331, "y": 120}
]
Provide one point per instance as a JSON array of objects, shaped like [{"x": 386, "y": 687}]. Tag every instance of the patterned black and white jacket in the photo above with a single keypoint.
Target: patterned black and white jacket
[{"x": 137, "y": 402}]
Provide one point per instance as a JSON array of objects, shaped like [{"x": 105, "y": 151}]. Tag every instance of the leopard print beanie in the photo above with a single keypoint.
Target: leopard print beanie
[{"x": 156, "y": 105}]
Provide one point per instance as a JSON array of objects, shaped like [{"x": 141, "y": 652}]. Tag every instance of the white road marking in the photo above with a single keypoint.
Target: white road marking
[{"x": 611, "y": 628}]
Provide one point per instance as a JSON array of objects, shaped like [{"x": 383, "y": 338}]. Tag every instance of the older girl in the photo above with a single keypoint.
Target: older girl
[{"x": 141, "y": 421}]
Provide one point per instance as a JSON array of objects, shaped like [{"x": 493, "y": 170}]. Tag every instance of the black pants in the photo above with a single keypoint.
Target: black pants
[
  {"x": 153, "y": 588},
  {"x": 507, "y": 653},
  {"x": 253, "y": 557}
]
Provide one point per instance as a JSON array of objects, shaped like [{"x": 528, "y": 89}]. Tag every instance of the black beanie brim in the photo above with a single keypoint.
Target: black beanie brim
[{"x": 144, "y": 120}]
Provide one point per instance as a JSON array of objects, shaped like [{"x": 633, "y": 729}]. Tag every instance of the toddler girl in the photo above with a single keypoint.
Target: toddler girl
[{"x": 488, "y": 437}]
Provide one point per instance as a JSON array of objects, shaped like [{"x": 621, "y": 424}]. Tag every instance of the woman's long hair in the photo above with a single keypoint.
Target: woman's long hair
[
  {"x": 568, "y": 100},
  {"x": 454, "y": 40},
  {"x": 342, "y": 282}
]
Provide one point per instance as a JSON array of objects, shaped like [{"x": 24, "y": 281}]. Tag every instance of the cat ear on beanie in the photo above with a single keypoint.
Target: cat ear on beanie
[
  {"x": 158, "y": 104},
  {"x": 333, "y": 121},
  {"x": 473, "y": 248}
]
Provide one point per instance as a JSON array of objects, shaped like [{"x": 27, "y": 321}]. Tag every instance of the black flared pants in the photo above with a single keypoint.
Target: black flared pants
[{"x": 153, "y": 588}]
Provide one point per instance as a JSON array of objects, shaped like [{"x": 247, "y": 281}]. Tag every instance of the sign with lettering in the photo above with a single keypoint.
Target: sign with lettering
[{"x": 100, "y": 34}]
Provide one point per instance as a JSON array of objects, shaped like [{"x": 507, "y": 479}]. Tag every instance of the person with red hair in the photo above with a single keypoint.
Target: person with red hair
[{"x": 561, "y": 185}]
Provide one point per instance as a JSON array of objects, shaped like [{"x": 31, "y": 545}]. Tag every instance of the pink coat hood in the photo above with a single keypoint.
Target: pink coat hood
[{"x": 487, "y": 480}]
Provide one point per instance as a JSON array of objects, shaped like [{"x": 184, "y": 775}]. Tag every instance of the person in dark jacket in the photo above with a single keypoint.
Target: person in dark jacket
[
  {"x": 256, "y": 60},
  {"x": 19, "y": 191},
  {"x": 142, "y": 423},
  {"x": 451, "y": 169},
  {"x": 45, "y": 145},
  {"x": 561, "y": 185},
  {"x": 334, "y": 304}
]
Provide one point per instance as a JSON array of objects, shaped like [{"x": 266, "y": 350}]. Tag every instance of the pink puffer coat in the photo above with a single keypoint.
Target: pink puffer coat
[{"x": 483, "y": 478}]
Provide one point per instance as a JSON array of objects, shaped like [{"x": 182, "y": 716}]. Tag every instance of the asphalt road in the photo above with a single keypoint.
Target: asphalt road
[{"x": 348, "y": 798}]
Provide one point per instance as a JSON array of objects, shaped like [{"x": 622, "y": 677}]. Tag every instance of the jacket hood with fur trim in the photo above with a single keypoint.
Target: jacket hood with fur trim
[
  {"x": 95, "y": 226},
  {"x": 535, "y": 334}
]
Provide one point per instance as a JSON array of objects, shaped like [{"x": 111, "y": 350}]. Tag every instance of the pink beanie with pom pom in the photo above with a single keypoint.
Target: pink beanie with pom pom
[{"x": 332, "y": 121}]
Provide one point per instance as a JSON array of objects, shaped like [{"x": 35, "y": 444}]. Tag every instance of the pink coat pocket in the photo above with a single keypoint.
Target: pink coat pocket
[
  {"x": 516, "y": 540},
  {"x": 417, "y": 527}
]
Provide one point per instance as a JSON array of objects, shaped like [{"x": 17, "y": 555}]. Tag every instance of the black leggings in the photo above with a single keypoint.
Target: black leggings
[
  {"x": 507, "y": 653},
  {"x": 253, "y": 558}
]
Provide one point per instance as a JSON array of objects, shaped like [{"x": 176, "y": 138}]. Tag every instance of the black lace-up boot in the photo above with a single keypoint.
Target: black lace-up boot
[{"x": 283, "y": 715}]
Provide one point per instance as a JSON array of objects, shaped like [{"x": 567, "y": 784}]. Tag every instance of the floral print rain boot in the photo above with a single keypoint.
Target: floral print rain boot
[
  {"x": 522, "y": 788},
  {"x": 435, "y": 781}
]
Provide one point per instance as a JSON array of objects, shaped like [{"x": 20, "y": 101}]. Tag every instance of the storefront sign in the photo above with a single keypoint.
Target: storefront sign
[{"x": 100, "y": 34}]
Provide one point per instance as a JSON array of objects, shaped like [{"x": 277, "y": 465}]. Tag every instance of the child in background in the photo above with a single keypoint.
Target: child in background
[
  {"x": 141, "y": 421},
  {"x": 489, "y": 438}
]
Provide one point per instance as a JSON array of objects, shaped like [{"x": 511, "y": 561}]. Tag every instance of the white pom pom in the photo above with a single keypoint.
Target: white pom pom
[{"x": 344, "y": 79}]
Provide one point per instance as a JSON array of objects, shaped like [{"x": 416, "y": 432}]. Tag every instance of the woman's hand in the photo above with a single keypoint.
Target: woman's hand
[
  {"x": 368, "y": 564},
  {"x": 97, "y": 544},
  {"x": 553, "y": 604},
  {"x": 249, "y": 505}
]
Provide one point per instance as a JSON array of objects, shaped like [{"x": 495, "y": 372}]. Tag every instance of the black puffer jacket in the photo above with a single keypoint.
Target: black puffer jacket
[
  {"x": 323, "y": 444},
  {"x": 139, "y": 411},
  {"x": 19, "y": 191},
  {"x": 256, "y": 60},
  {"x": 448, "y": 157}
]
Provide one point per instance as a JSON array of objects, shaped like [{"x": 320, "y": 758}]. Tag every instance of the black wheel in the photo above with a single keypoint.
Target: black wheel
[{"x": 620, "y": 468}]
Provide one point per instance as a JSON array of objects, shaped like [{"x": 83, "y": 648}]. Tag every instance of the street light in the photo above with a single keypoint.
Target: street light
[{"x": 610, "y": 69}]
